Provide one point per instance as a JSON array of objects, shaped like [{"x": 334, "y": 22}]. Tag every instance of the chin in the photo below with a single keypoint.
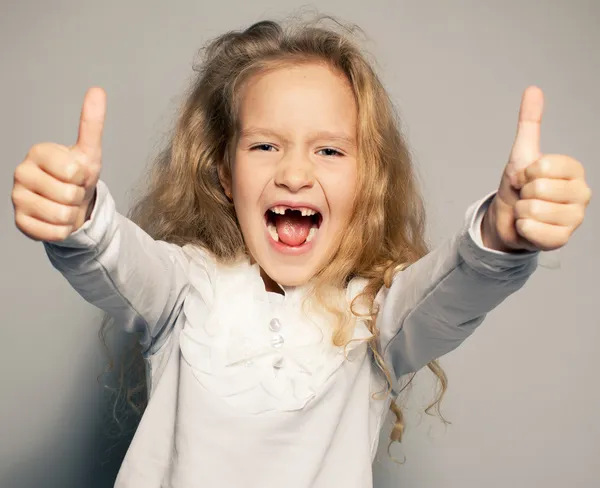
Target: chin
[
  {"x": 289, "y": 276},
  {"x": 289, "y": 267}
]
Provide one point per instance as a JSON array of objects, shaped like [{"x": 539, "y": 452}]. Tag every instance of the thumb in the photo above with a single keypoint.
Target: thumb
[
  {"x": 91, "y": 124},
  {"x": 526, "y": 148}
]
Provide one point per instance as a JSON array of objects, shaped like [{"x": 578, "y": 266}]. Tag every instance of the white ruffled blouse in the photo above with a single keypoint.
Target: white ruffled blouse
[
  {"x": 246, "y": 388},
  {"x": 270, "y": 357}
]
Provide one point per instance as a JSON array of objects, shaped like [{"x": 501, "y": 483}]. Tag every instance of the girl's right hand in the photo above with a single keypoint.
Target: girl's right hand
[{"x": 55, "y": 186}]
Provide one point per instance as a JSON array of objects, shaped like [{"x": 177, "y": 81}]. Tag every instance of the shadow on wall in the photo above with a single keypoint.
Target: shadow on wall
[
  {"x": 61, "y": 464},
  {"x": 86, "y": 450}
]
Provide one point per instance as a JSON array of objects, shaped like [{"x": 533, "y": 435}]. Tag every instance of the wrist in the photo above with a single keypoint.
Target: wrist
[
  {"x": 85, "y": 212},
  {"x": 90, "y": 206},
  {"x": 489, "y": 234}
]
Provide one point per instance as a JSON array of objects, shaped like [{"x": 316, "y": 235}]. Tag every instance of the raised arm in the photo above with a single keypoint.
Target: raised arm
[
  {"x": 436, "y": 303},
  {"x": 116, "y": 266},
  {"x": 111, "y": 262}
]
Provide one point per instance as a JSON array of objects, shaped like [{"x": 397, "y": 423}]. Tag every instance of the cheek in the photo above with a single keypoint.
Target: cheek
[
  {"x": 247, "y": 185},
  {"x": 342, "y": 189},
  {"x": 242, "y": 181}
]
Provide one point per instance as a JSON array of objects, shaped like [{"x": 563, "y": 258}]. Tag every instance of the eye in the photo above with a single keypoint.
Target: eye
[
  {"x": 328, "y": 151},
  {"x": 263, "y": 147}
]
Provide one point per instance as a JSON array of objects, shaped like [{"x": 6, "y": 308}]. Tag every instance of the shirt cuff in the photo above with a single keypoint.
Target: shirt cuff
[
  {"x": 549, "y": 260},
  {"x": 477, "y": 213},
  {"x": 496, "y": 264}
]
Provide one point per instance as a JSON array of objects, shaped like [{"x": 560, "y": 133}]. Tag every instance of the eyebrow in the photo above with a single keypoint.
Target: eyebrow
[
  {"x": 258, "y": 131},
  {"x": 331, "y": 136}
]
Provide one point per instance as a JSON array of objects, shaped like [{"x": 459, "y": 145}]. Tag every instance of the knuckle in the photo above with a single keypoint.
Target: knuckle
[
  {"x": 535, "y": 208},
  {"x": 37, "y": 150},
  {"x": 588, "y": 194},
  {"x": 523, "y": 225},
  {"x": 18, "y": 196},
  {"x": 579, "y": 214},
  {"x": 70, "y": 195},
  {"x": 65, "y": 215},
  {"x": 546, "y": 167},
  {"x": 525, "y": 191},
  {"x": 521, "y": 208},
  {"x": 532, "y": 171},
  {"x": 74, "y": 195},
  {"x": 529, "y": 189},
  {"x": 579, "y": 190},
  {"x": 20, "y": 173},
  {"x": 62, "y": 233},
  {"x": 73, "y": 212},
  {"x": 20, "y": 220},
  {"x": 58, "y": 233},
  {"x": 577, "y": 164},
  {"x": 539, "y": 187},
  {"x": 529, "y": 171},
  {"x": 564, "y": 234},
  {"x": 60, "y": 217}
]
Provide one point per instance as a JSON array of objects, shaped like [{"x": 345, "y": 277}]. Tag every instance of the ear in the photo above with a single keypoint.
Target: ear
[{"x": 225, "y": 178}]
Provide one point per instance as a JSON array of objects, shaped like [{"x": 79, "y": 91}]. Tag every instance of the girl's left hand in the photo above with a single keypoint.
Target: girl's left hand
[{"x": 542, "y": 198}]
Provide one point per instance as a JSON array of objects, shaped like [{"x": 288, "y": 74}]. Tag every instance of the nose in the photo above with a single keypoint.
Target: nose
[{"x": 295, "y": 173}]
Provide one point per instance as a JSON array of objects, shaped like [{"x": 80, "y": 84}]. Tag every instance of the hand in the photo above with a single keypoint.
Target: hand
[
  {"x": 54, "y": 187},
  {"x": 542, "y": 198}
]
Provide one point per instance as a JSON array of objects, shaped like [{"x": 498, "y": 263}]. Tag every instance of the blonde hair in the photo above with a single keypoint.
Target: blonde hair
[{"x": 185, "y": 202}]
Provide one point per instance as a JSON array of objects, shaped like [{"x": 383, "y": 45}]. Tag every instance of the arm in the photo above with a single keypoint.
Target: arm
[
  {"x": 117, "y": 267},
  {"x": 437, "y": 302}
]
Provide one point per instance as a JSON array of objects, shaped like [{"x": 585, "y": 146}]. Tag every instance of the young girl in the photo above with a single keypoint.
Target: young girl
[{"x": 281, "y": 284}]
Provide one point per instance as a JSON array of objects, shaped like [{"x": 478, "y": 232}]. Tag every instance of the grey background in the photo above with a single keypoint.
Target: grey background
[{"x": 523, "y": 397}]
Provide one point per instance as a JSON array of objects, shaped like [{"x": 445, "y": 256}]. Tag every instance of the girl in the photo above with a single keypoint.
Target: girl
[{"x": 281, "y": 280}]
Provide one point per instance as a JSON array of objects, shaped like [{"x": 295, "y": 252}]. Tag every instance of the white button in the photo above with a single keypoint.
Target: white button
[
  {"x": 277, "y": 340},
  {"x": 275, "y": 325},
  {"x": 278, "y": 362}
]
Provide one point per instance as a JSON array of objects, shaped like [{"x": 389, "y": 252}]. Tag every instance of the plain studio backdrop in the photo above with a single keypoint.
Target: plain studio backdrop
[{"x": 523, "y": 397}]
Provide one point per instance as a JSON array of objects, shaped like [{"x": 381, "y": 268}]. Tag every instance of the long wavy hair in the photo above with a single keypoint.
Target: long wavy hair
[{"x": 184, "y": 202}]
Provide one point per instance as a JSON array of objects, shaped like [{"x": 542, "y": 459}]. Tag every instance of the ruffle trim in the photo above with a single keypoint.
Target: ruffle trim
[{"x": 256, "y": 354}]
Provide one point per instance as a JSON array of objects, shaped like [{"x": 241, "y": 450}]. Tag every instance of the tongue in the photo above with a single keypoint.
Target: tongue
[{"x": 292, "y": 229}]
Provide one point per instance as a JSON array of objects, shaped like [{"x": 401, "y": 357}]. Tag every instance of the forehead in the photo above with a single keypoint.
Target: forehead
[{"x": 306, "y": 98}]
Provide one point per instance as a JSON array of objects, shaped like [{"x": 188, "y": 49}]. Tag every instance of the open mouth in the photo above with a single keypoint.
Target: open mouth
[{"x": 292, "y": 226}]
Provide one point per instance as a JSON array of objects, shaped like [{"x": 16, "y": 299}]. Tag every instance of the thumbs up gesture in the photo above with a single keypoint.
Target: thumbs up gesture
[
  {"x": 542, "y": 197},
  {"x": 54, "y": 187}
]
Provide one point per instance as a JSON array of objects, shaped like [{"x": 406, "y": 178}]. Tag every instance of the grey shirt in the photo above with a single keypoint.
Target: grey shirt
[{"x": 245, "y": 387}]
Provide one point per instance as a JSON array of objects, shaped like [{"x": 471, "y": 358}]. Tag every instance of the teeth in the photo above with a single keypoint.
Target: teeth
[
  {"x": 273, "y": 231},
  {"x": 280, "y": 209},
  {"x": 311, "y": 234}
]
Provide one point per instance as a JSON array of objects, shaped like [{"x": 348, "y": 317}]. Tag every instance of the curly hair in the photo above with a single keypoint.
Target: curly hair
[{"x": 186, "y": 204}]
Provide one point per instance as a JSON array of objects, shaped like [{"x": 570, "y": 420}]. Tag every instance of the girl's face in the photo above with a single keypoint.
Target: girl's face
[{"x": 295, "y": 169}]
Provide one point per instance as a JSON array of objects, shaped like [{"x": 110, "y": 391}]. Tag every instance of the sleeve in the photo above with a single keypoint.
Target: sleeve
[
  {"x": 437, "y": 302},
  {"x": 116, "y": 266}
]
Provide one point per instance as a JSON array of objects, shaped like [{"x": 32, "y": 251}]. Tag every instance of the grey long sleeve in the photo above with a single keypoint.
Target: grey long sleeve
[
  {"x": 119, "y": 268},
  {"x": 437, "y": 302}
]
